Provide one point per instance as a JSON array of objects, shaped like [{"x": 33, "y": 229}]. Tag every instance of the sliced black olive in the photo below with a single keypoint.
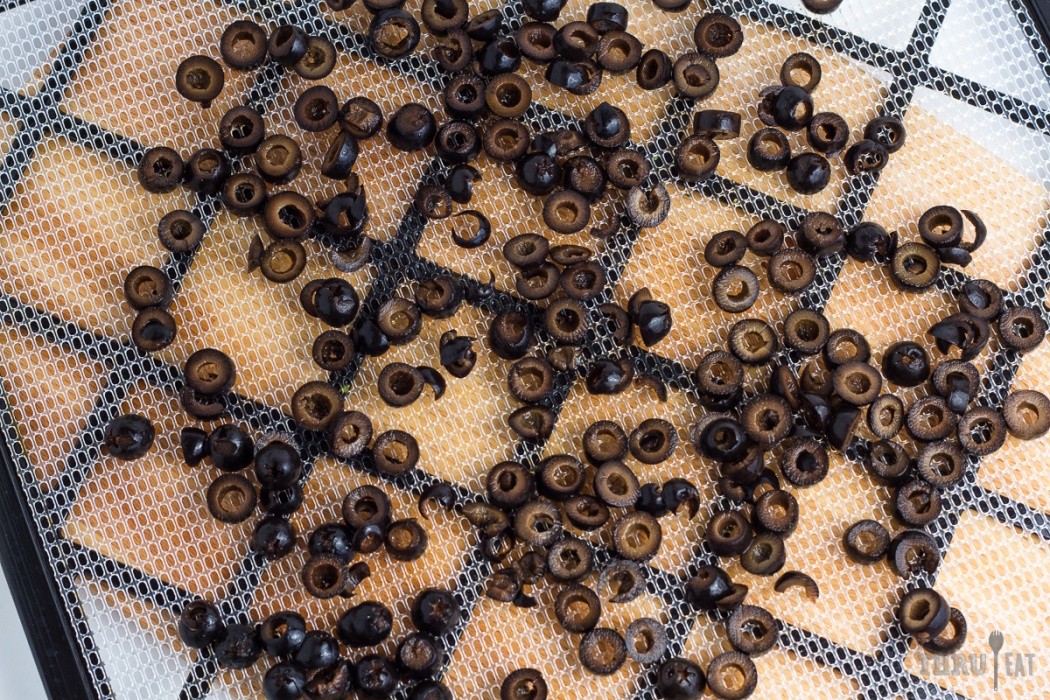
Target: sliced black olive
[
  {"x": 917, "y": 503},
  {"x": 499, "y": 56},
  {"x": 806, "y": 330},
  {"x": 375, "y": 676},
  {"x": 941, "y": 464},
  {"x": 395, "y": 452},
  {"x": 586, "y": 176},
  {"x": 888, "y": 131},
  {"x": 792, "y": 108},
  {"x": 765, "y": 555},
  {"x": 646, "y": 640},
  {"x": 751, "y": 630},
  {"x": 580, "y": 77},
  {"x": 1022, "y": 329},
  {"x": 735, "y": 289},
  {"x": 857, "y": 383},
  {"x": 440, "y": 16},
  {"x": 243, "y": 45},
  {"x": 393, "y": 34},
  {"x": 941, "y": 226},
  {"x": 349, "y": 434},
  {"x": 439, "y": 494},
  {"x": 360, "y": 117},
  {"x": 709, "y": 585},
  {"x": 930, "y": 419},
  {"x": 287, "y": 44},
  {"x": 319, "y": 59},
  {"x": 412, "y": 127},
  {"x": 768, "y": 150},
  {"x": 180, "y": 231},
  {"x": 654, "y": 70},
  {"x": 609, "y": 377},
  {"x": 406, "y": 540},
  {"x": 680, "y": 679},
  {"x": 627, "y": 168},
  {"x": 577, "y": 608},
  {"x": 586, "y": 512},
  {"x": 696, "y": 158},
  {"x": 728, "y": 533},
  {"x": 648, "y": 207},
  {"x": 950, "y": 639},
  {"x": 808, "y": 173},
  {"x": 802, "y": 70},
  {"x": 766, "y": 237},
  {"x": 199, "y": 79},
  {"x": 323, "y": 576},
  {"x": 486, "y": 517},
  {"x": 485, "y": 26},
  {"x": 438, "y": 297},
  {"x": 804, "y": 462},
  {"x": 725, "y": 248},
  {"x": 888, "y": 462},
  {"x": 509, "y": 485},
  {"x": 566, "y": 211},
  {"x": 616, "y": 484},
  {"x": 602, "y": 651},
  {"x": 538, "y": 523},
  {"x": 753, "y": 341},
  {"x": 536, "y": 41},
  {"x": 1027, "y": 414},
  {"x": 570, "y": 559},
  {"x": 720, "y": 438},
  {"x": 869, "y": 241},
  {"x": 886, "y": 416},
  {"x": 561, "y": 477},
  {"x": 207, "y": 171},
  {"x": 619, "y": 52},
  {"x": 695, "y": 75},
  {"x": 523, "y": 684},
  {"x": 866, "y": 541},
  {"x": 982, "y": 431},
  {"x": 530, "y": 379},
  {"x": 776, "y": 511},
  {"x": 316, "y": 109},
  {"x": 866, "y": 156},
  {"x": 716, "y": 124},
  {"x": 982, "y": 299},
  {"x": 923, "y": 610},
  {"x": 732, "y": 675},
  {"x": 278, "y": 159},
  {"x": 230, "y": 448},
  {"x": 637, "y": 536},
  {"x": 718, "y": 35},
  {"x": 576, "y": 41},
  {"x": 510, "y": 334}
]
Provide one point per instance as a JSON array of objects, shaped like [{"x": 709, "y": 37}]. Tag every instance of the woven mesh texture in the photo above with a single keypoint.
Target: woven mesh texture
[{"x": 86, "y": 87}]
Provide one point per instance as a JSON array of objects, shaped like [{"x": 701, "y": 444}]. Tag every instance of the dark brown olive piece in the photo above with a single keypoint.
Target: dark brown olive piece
[
  {"x": 804, "y": 462},
  {"x": 585, "y": 175},
  {"x": 857, "y": 383},
  {"x": 767, "y": 97},
  {"x": 866, "y": 541},
  {"x": 913, "y": 550},
  {"x": 886, "y": 416},
  {"x": 199, "y": 79},
  {"x": 792, "y": 270},
  {"x": 530, "y": 379},
  {"x": 677, "y": 491},
  {"x": 241, "y": 130},
  {"x": 718, "y": 35},
  {"x": 146, "y": 286},
  {"x": 570, "y": 559},
  {"x": 457, "y": 354},
  {"x": 806, "y": 330},
  {"x": 583, "y": 281},
  {"x": 648, "y": 207},
  {"x": 438, "y": 297},
  {"x": 1022, "y": 329},
  {"x": 243, "y": 45},
  {"x": 653, "y": 441},
  {"x": 316, "y": 109},
  {"x": 231, "y": 498},
  {"x": 732, "y": 675},
  {"x": 607, "y": 17},
  {"x": 523, "y": 684},
  {"x": 406, "y": 540},
  {"x": 565, "y": 319},
  {"x": 888, "y": 131},
  {"x": 725, "y": 248},
  {"x": 609, "y": 376},
  {"x": 207, "y": 171},
  {"x": 719, "y": 374},
  {"x": 623, "y": 580},
  {"x": 580, "y": 77},
  {"x": 982, "y": 299},
  {"x": 315, "y": 405},
  {"x": 278, "y": 159},
  {"x": 751, "y": 630},
  {"x": 776, "y": 511},
  {"x": 243, "y": 194},
  {"x": 180, "y": 231},
  {"x": 619, "y": 52},
  {"x": 1027, "y": 414},
  {"x": 566, "y": 211},
  {"x": 808, "y": 173},
  {"x": 361, "y": 117},
  {"x": 584, "y": 512},
  {"x": 768, "y": 150},
  {"x": 577, "y": 608},
  {"x": 400, "y": 320},
  {"x": 282, "y": 261},
  {"x": 489, "y": 519},
  {"x": 457, "y": 141},
  {"x": 846, "y": 345},
  {"x": 510, "y": 334},
  {"x": 654, "y": 321},
  {"x": 508, "y": 485},
  {"x": 765, "y": 555},
  {"x": 526, "y": 251},
  {"x": 538, "y": 523},
  {"x": 930, "y": 419},
  {"x": 923, "y": 611},
  {"x": 941, "y": 226},
  {"x": 917, "y": 503},
  {"x": 349, "y": 434},
  {"x": 433, "y": 202},
  {"x": 696, "y": 158},
  {"x": 287, "y": 215},
  {"x": 454, "y": 51},
  {"x": 603, "y": 651},
  {"x": 716, "y": 124},
  {"x": 941, "y": 464},
  {"x": 950, "y": 639},
  {"x": 568, "y": 254},
  {"x": 637, "y": 536},
  {"x": 646, "y": 640},
  {"x": 709, "y": 585},
  {"x": 821, "y": 234},
  {"x": 399, "y": 384},
  {"x": 626, "y": 168},
  {"x": 735, "y": 289},
  {"x": 287, "y": 44},
  {"x": 766, "y": 238},
  {"x": 654, "y": 70},
  {"x": 604, "y": 441},
  {"x": 802, "y": 70},
  {"x": 792, "y": 108},
  {"x": 731, "y": 601},
  {"x": 868, "y": 241},
  {"x": 532, "y": 423},
  {"x": 906, "y": 364},
  {"x": 319, "y": 59},
  {"x": 393, "y": 33},
  {"x": 888, "y": 462},
  {"x": 440, "y": 16},
  {"x": 395, "y": 452},
  {"x": 323, "y": 576},
  {"x": 209, "y": 371},
  {"x": 616, "y": 484},
  {"x": 753, "y": 341},
  {"x": 576, "y": 41},
  {"x": 728, "y": 533},
  {"x": 508, "y": 95},
  {"x": 535, "y": 41},
  {"x": 695, "y": 75},
  {"x": 766, "y": 419},
  {"x": 982, "y": 431},
  {"x": 411, "y": 128},
  {"x": 560, "y": 477}
]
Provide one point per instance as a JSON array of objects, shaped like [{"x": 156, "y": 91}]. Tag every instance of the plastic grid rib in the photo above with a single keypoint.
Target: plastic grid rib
[{"x": 880, "y": 674}]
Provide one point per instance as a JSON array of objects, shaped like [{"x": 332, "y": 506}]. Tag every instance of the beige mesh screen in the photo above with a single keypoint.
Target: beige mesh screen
[{"x": 128, "y": 543}]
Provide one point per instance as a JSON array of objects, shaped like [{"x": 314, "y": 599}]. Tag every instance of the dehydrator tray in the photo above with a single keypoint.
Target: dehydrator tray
[{"x": 103, "y": 554}]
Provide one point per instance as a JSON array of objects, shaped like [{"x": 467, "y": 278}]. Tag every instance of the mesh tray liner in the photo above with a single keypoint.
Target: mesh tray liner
[{"x": 128, "y": 544}]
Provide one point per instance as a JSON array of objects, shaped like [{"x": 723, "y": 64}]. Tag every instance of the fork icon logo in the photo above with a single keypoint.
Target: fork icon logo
[{"x": 995, "y": 641}]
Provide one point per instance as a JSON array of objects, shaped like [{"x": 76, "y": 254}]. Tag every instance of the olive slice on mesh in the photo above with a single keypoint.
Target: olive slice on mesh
[
  {"x": 709, "y": 585},
  {"x": 804, "y": 462},
  {"x": 530, "y": 379},
  {"x": 1027, "y": 414},
  {"x": 725, "y": 248},
  {"x": 775, "y": 511},
  {"x": 753, "y": 341},
  {"x": 637, "y": 536},
  {"x": 577, "y": 608},
  {"x": 654, "y": 70},
  {"x": 1022, "y": 329},
  {"x": 802, "y": 70},
  {"x": 735, "y": 289},
  {"x": 323, "y": 576},
  {"x": 917, "y": 503},
  {"x": 406, "y": 540},
  {"x": 648, "y": 207},
  {"x": 981, "y": 298},
  {"x": 798, "y": 579},
  {"x": 765, "y": 555},
  {"x": 768, "y": 150},
  {"x": 570, "y": 559},
  {"x": 728, "y": 533},
  {"x": 538, "y": 523},
  {"x": 395, "y": 452},
  {"x": 866, "y": 541},
  {"x": 603, "y": 651},
  {"x": 695, "y": 75},
  {"x": 751, "y": 630},
  {"x": 716, "y": 124},
  {"x": 560, "y": 476},
  {"x": 923, "y": 610},
  {"x": 586, "y": 512},
  {"x": 806, "y": 330},
  {"x": 950, "y": 639},
  {"x": 616, "y": 484},
  {"x": 866, "y": 156},
  {"x": 732, "y": 676},
  {"x": 718, "y": 35},
  {"x": 857, "y": 383},
  {"x": 886, "y": 416},
  {"x": 523, "y": 684},
  {"x": 888, "y": 131},
  {"x": 231, "y": 498},
  {"x": 941, "y": 226},
  {"x": 982, "y": 431},
  {"x": 604, "y": 441},
  {"x": 508, "y": 485},
  {"x": 767, "y": 419},
  {"x": 646, "y": 640},
  {"x": 913, "y": 550},
  {"x": 653, "y": 441},
  {"x": 696, "y": 158},
  {"x": 199, "y": 79}
]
